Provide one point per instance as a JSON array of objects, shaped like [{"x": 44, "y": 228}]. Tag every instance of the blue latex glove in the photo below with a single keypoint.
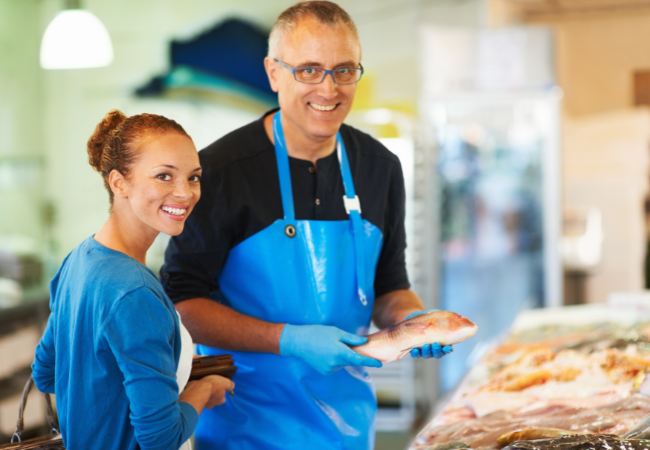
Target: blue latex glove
[
  {"x": 324, "y": 347},
  {"x": 427, "y": 351}
]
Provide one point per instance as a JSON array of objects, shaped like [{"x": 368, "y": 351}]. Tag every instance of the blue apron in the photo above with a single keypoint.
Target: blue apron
[{"x": 301, "y": 272}]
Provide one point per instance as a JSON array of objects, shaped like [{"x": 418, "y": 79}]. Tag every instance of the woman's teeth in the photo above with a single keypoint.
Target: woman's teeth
[
  {"x": 322, "y": 107},
  {"x": 174, "y": 211}
]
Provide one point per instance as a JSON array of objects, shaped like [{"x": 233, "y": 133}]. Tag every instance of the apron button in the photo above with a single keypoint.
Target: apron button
[{"x": 290, "y": 231}]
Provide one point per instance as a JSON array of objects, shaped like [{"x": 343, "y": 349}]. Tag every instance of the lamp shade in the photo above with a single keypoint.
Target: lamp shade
[{"x": 76, "y": 39}]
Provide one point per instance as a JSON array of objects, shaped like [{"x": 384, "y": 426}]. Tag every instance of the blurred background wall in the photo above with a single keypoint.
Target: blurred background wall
[
  {"x": 602, "y": 65},
  {"x": 600, "y": 45},
  {"x": 21, "y": 116}
]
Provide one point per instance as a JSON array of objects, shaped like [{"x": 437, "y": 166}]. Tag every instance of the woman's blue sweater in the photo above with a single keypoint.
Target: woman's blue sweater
[{"x": 110, "y": 353}]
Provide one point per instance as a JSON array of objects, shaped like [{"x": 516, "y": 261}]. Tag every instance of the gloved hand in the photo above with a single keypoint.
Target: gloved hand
[
  {"x": 427, "y": 351},
  {"x": 324, "y": 347}
]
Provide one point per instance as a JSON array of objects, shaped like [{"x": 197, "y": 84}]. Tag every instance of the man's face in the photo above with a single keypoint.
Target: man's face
[{"x": 315, "y": 110}]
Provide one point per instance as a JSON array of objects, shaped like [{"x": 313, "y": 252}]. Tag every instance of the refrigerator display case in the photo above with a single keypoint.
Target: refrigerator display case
[
  {"x": 489, "y": 116},
  {"x": 497, "y": 186}
]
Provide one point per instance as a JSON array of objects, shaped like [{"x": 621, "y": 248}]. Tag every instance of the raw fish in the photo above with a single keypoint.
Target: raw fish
[
  {"x": 641, "y": 430},
  {"x": 482, "y": 433},
  {"x": 527, "y": 434},
  {"x": 443, "y": 327}
]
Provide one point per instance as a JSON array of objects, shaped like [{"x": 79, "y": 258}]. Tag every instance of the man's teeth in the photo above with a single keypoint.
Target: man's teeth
[
  {"x": 322, "y": 108},
  {"x": 174, "y": 211}
]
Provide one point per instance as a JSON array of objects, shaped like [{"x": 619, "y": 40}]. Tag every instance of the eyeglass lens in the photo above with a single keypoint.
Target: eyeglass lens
[{"x": 314, "y": 75}]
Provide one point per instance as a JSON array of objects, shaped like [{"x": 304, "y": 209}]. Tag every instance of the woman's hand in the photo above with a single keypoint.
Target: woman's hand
[
  {"x": 220, "y": 385},
  {"x": 207, "y": 392}
]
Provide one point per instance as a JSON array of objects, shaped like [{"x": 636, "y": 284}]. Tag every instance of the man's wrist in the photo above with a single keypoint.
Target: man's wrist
[{"x": 286, "y": 343}]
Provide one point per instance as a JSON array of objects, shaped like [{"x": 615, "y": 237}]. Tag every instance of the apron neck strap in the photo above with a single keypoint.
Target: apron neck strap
[
  {"x": 350, "y": 199},
  {"x": 342, "y": 154},
  {"x": 282, "y": 158}
]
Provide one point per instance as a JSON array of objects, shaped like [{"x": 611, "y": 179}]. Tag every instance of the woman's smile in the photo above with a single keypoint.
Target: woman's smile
[{"x": 175, "y": 212}]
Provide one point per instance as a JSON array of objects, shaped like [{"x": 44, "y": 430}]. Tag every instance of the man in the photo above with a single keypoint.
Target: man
[{"x": 297, "y": 243}]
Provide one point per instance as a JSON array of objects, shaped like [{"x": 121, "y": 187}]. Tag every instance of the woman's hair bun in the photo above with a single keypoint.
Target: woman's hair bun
[{"x": 102, "y": 133}]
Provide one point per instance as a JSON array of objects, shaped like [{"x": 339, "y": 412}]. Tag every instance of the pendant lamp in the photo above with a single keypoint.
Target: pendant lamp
[{"x": 75, "y": 39}]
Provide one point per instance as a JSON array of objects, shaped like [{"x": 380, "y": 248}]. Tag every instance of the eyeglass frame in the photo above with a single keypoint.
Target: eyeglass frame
[{"x": 326, "y": 72}]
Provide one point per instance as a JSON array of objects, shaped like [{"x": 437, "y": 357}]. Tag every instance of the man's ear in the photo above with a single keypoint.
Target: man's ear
[
  {"x": 272, "y": 73},
  {"x": 117, "y": 183}
]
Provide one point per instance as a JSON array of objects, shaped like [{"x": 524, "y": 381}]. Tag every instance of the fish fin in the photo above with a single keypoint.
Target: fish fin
[
  {"x": 403, "y": 353},
  {"x": 407, "y": 351}
]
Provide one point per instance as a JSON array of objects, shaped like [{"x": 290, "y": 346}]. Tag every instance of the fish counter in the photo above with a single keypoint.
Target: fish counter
[{"x": 564, "y": 378}]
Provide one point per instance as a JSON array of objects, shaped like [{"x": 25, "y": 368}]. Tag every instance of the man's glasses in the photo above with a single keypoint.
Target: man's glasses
[{"x": 314, "y": 75}]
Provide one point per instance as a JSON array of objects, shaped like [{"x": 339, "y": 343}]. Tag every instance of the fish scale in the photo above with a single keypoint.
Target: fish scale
[{"x": 443, "y": 327}]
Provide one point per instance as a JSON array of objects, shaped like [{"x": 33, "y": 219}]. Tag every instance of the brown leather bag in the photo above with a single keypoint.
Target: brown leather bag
[
  {"x": 50, "y": 441},
  {"x": 213, "y": 365}
]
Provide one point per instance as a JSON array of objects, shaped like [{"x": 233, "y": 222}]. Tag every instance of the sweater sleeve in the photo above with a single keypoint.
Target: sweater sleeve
[
  {"x": 140, "y": 331},
  {"x": 45, "y": 360},
  {"x": 44, "y": 365}
]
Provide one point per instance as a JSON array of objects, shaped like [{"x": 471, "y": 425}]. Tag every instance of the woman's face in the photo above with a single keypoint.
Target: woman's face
[{"x": 164, "y": 183}]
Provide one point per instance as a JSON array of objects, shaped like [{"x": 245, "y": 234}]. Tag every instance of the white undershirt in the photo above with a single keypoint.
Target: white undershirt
[{"x": 184, "y": 366}]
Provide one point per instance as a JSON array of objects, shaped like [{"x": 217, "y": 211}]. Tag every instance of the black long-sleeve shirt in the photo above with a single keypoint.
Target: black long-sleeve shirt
[{"x": 240, "y": 196}]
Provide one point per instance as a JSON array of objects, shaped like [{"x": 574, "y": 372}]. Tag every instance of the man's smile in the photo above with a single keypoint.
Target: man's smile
[{"x": 323, "y": 107}]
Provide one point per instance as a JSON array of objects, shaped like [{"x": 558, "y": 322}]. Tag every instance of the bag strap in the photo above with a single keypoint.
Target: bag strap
[{"x": 20, "y": 422}]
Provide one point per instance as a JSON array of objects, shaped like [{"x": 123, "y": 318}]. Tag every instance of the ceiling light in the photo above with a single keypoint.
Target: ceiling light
[{"x": 75, "y": 39}]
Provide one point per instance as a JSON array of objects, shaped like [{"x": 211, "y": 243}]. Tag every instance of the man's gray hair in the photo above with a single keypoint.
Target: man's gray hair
[{"x": 327, "y": 13}]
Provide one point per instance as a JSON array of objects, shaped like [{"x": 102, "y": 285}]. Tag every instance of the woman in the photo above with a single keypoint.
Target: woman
[{"x": 113, "y": 342}]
